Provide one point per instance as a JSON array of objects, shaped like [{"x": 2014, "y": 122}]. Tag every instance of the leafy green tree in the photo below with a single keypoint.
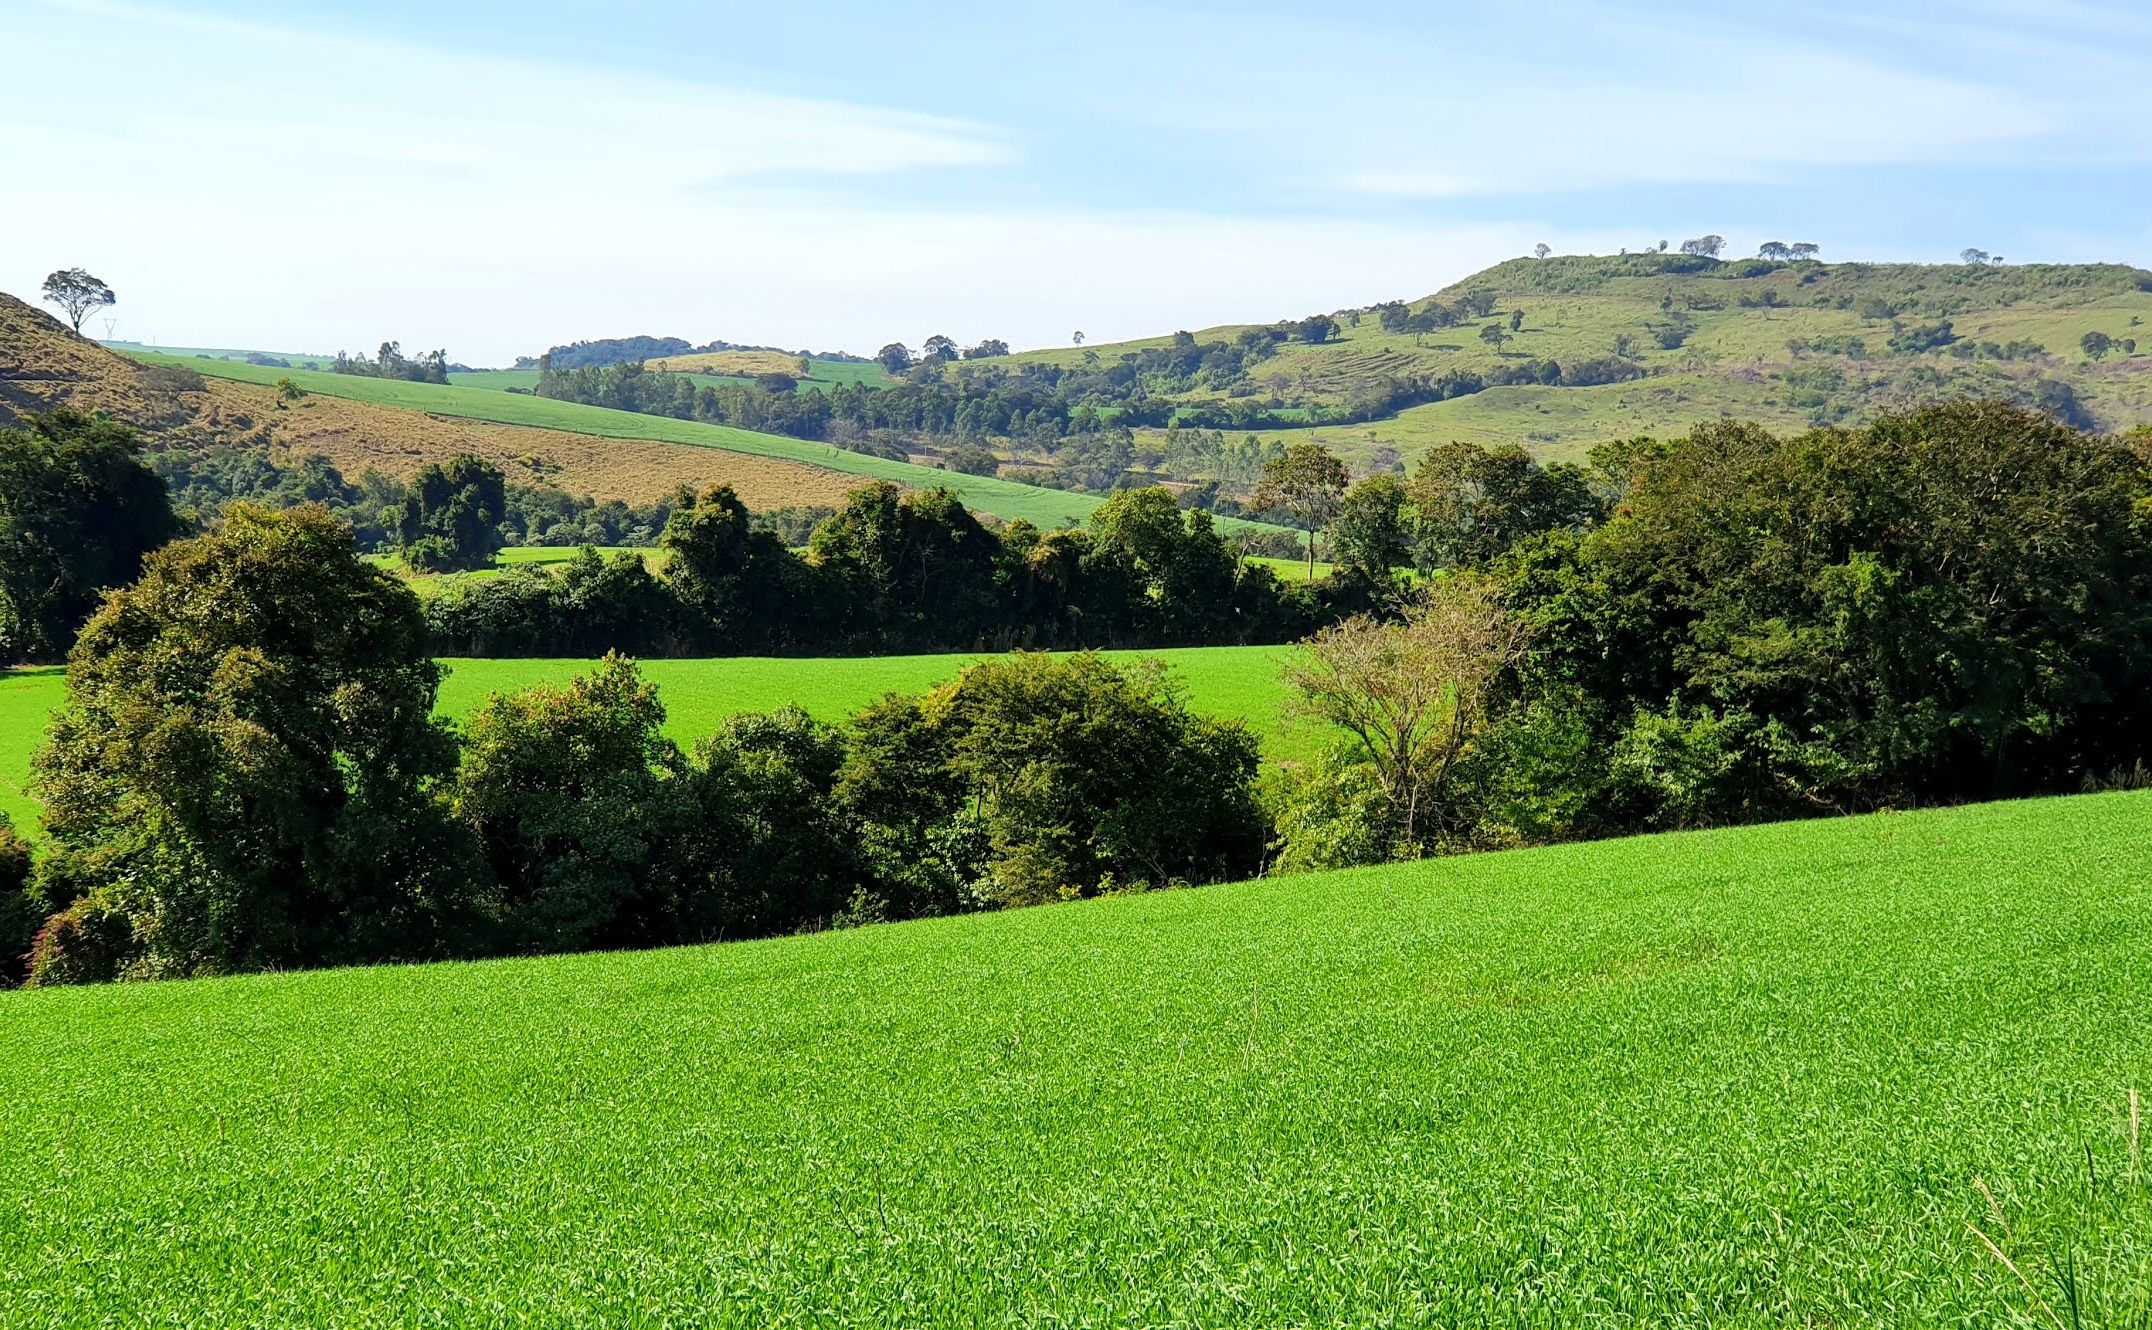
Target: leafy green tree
[
  {"x": 1088, "y": 777},
  {"x": 773, "y": 849},
  {"x": 77, "y": 293},
  {"x": 1516, "y": 320},
  {"x": 1372, "y": 536},
  {"x": 2096, "y": 345},
  {"x": 1493, "y": 335},
  {"x": 78, "y": 512},
  {"x": 912, "y": 565},
  {"x": 247, "y": 767},
  {"x": 938, "y": 350},
  {"x": 452, "y": 515},
  {"x": 740, "y": 581},
  {"x": 1414, "y": 694},
  {"x": 1952, "y": 601},
  {"x": 1316, "y": 329},
  {"x": 1774, "y": 249},
  {"x": 1707, "y": 247},
  {"x": 988, "y": 349},
  {"x": 1176, "y": 556},
  {"x": 577, "y": 800},
  {"x": 918, "y": 843},
  {"x": 1304, "y": 487},
  {"x": 894, "y": 358},
  {"x": 1472, "y": 504}
]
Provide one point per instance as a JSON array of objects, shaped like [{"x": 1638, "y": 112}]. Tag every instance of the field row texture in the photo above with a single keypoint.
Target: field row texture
[{"x": 1826, "y": 1073}]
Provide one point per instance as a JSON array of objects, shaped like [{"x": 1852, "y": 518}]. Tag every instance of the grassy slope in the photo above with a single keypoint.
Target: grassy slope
[
  {"x": 1731, "y": 365},
  {"x": 1005, "y": 499},
  {"x": 1753, "y": 1077},
  {"x": 1236, "y": 682},
  {"x": 305, "y": 360}
]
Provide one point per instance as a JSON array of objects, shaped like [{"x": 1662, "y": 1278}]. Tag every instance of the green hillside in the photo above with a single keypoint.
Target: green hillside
[
  {"x": 1004, "y": 499},
  {"x": 1735, "y": 326},
  {"x": 1874, "y": 1071},
  {"x": 1242, "y": 683},
  {"x": 302, "y": 360}
]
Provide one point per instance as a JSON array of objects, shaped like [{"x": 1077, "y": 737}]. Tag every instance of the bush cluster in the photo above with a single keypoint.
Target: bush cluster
[{"x": 248, "y": 775}]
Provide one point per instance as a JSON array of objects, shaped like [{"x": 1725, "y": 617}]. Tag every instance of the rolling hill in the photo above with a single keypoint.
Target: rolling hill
[
  {"x": 1005, "y": 499},
  {"x": 1789, "y": 344},
  {"x": 43, "y": 365},
  {"x": 1871, "y": 1071}
]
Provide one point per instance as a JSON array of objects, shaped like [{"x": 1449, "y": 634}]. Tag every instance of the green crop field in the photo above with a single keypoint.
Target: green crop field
[
  {"x": 827, "y": 373},
  {"x": 1241, "y": 683},
  {"x": 1003, "y": 498},
  {"x": 27, "y": 698},
  {"x": 300, "y": 359},
  {"x": 1823, "y": 1073}
]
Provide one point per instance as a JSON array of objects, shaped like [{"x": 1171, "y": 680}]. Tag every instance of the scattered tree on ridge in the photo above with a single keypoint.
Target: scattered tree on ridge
[
  {"x": 77, "y": 293},
  {"x": 1704, "y": 247}
]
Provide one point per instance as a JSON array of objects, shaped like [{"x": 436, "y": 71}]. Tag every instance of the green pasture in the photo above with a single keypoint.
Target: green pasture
[
  {"x": 1242, "y": 683},
  {"x": 1870, "y": 1071},
  {"x": 238, "y": 354},
  {"x": 27, "y": 698},
  {"x": 1003, "y": 498}
]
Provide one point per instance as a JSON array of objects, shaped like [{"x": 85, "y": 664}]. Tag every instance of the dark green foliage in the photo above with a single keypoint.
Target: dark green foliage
[
  {"x": 1472, "y": 504},
  {"x": 452, "y": 515},
  {"x": 773, "y": 850},
  {"x": 204, "y": 480},
  {"x": 78, "y": 511},
  {"x": 1372, "y": 536},
  {"x": 888, "y": 571},
  {"x": 1087, "y": 776},
  {"x": 577, "y": 801},
  {"x": 1950, "y": 604},
  {"x": 21, "y": 911},
  {"x": 737, "y": 583},
  {"x": 246, "y": 763}
]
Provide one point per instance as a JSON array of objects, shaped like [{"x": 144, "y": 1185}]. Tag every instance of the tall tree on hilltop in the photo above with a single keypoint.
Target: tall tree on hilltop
[{"x": 77, "y": 293}]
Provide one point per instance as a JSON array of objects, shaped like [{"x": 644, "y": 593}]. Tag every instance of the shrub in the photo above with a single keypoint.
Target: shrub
[
  {"x": 89, "y": 942},
  {"x": 1084, "y": 772}
]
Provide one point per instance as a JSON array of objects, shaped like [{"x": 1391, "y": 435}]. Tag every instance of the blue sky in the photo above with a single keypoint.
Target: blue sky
[{"x": 497, "y": 177}]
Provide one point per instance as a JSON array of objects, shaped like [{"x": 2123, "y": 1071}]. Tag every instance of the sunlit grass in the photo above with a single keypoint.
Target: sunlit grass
[{"x": 1760, "y": 1077}]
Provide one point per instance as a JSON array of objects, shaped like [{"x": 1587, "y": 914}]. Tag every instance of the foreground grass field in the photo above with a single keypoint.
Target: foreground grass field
[
  {"x": 1235, "y": 682},
  {"x": 1793, "y": 1075}
]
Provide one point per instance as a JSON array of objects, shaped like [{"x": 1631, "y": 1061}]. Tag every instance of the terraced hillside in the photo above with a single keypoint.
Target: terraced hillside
[
  {"x": 1870, "y": 1071},
  {"x": 43, "y": 365},
  {"x": 1652, "y": 344}
]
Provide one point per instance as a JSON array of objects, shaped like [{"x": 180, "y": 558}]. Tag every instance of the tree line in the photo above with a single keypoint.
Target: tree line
[
  {"x": 1949, "y": 604},
  {"x": 248, "y": 775}
]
